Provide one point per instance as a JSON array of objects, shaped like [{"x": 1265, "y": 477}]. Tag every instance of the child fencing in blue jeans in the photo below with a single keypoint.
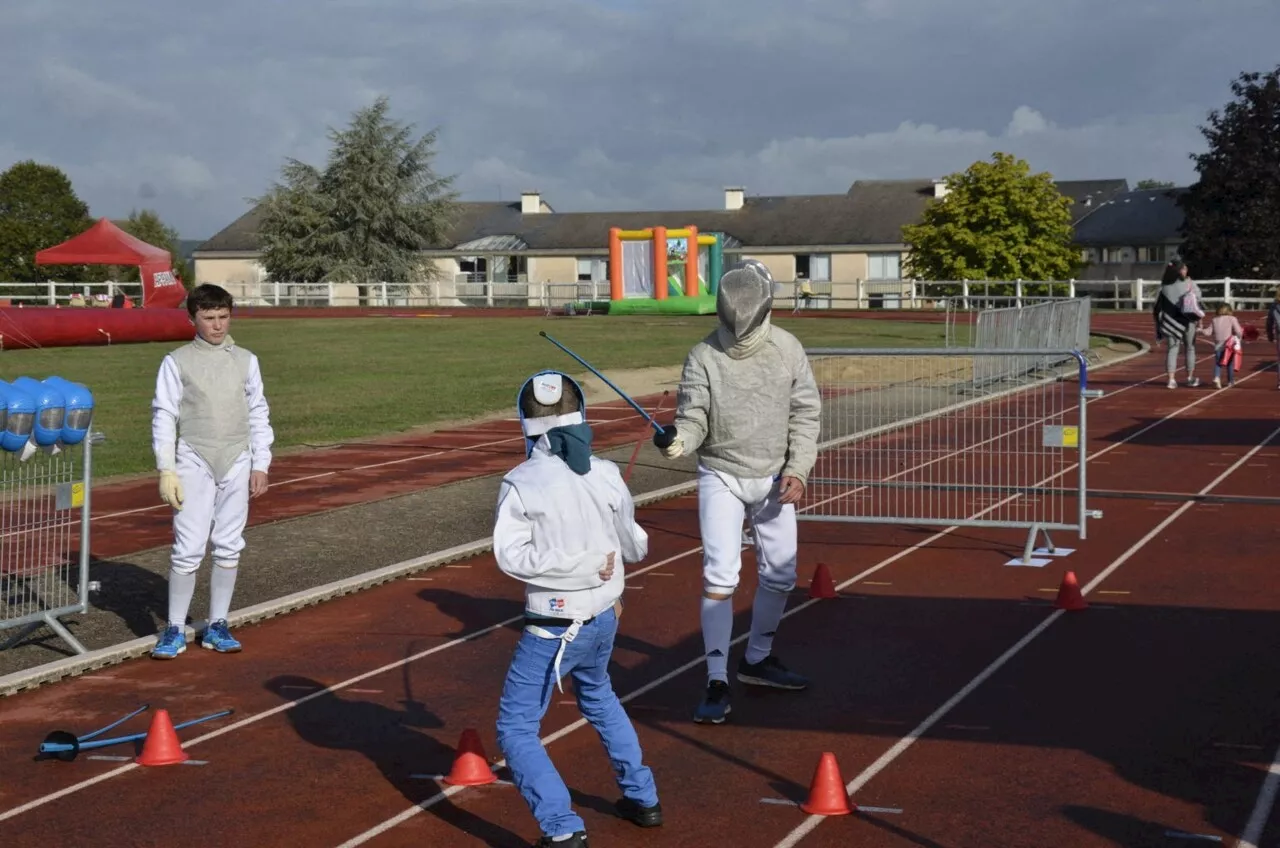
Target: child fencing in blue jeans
[{"x": 526, "y": 696}]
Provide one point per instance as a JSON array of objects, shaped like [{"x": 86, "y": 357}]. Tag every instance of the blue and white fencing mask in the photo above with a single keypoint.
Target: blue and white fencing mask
[
  {"x": 20, "y": 414},
  {"x": 548, "y": 389},
  {"x": 51, "y": 410},
  {"x": 79, "y": 406}
]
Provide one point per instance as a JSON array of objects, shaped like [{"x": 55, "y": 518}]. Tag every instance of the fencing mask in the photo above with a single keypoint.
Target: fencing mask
[
  {"x": 745, "y": 297},
  {"x": 553, "y": 401}
]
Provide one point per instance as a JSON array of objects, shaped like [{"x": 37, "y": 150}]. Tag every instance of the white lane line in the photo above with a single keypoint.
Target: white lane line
[
  {"x": 426, "y": 804},
  {"x": 812, "y": 822},
  {"x": 1252, "y": 835},
  {"x": 248, "y": 720}
]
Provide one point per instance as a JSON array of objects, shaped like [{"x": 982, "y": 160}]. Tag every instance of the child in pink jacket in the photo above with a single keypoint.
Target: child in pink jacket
[{"x": 1222, "y": 328}]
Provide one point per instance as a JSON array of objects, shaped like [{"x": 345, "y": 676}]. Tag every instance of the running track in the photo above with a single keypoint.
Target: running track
[
  {"x": 1150, "y": 714},
  {"x": 128, "y": 517}
]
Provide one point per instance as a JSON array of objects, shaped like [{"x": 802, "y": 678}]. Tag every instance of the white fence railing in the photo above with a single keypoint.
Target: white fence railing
[{"x": 467, "y": 290}]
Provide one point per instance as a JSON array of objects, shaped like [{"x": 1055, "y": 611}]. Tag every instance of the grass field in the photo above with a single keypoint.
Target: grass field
[{"x": 330, "y": 379}]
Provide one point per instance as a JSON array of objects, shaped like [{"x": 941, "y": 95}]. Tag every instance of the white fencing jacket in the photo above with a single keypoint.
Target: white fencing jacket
[
  {"x": 210, "y": 397},
  {"x": 554, "y": 529}
]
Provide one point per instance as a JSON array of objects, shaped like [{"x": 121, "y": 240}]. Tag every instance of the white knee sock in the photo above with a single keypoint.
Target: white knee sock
[
  {"x": 717, "y": 628},
  {"x": 766, "y": 613},
  {"x": 181, "y": 588},
  {"x": 221, "y": 584}
]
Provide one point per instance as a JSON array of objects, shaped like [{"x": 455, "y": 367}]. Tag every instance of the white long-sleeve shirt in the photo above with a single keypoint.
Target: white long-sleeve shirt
[
  {"x": 554, "y": 530},
  {"x": 211, "y": 398}
]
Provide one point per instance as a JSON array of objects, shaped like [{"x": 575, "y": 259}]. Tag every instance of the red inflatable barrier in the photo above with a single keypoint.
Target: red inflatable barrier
[{"x": 48, "y": 326}]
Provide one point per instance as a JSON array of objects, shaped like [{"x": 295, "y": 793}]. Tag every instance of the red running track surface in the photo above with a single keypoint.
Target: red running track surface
[
  {"x": 1150, "y": 713},
  {"x": 129, "y": 516}
]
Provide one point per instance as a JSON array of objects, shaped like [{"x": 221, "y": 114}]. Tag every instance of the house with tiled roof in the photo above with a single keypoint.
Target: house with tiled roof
[
  {"x": 850, "y": 241},
  {"x": 1131, "y": 235}
]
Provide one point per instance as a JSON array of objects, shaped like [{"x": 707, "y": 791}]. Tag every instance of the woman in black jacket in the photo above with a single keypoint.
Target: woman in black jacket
[{"x": 1177, "y": 312}]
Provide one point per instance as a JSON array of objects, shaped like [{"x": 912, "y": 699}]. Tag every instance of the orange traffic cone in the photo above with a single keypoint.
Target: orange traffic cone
[
  {"x": 826, "y": 791},
  {"x": 470, "y": 768},
  {"x": 822, "y": 586},
  {"x": 1069, "y": 597},
  {"x": 162, "y": 747}
]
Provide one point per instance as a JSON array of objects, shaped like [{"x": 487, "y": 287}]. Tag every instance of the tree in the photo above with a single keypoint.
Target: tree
[
  {"x": 1144, "y": 185},
  {"x": 997, "y": 221},
  {"x": 38, "y": 209},
  {"x": 295, "y": 217},
  {"x": 364, "y": 218},
  {"x": 1232, "y": 213}
]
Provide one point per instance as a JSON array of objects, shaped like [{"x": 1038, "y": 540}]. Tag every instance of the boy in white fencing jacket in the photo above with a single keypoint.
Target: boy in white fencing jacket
[
  {"x": 564, "y": 526},
  {"x": 211, "y": 433}
]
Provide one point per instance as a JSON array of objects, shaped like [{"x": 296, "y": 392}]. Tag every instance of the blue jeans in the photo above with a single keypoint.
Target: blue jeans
[{"x": 526, "y": 695}]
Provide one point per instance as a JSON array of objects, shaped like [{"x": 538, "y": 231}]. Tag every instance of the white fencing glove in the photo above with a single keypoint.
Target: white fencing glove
[
  {"x": 171, "y": 489},
  {"x": 669, "y": 442}
]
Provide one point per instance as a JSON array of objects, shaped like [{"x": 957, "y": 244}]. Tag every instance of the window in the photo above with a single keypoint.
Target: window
[
  {"x": 884, "y": 266},
  {"x": 813, "y": 266},
  {"x": 1152, "y": 253},
  {"x": 593, "y": 269},
  {"x": 1116, "y": 255}
]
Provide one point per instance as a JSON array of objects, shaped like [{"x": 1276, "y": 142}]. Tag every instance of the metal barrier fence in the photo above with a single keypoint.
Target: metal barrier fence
[
  {"x": 907, "y": 438},
  {"x": 44, "y": 561},
  {"x": 1054, "y": 328}
]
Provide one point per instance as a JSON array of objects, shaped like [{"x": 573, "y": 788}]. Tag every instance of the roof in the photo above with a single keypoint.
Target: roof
[
  {"x": 104, "y": 243},
  {"x": 1087, "y": 194},
  {"x": 1141, "y": 217},
  {"x": 475, "y": 220},
  {"x": 871, "y": 212}
]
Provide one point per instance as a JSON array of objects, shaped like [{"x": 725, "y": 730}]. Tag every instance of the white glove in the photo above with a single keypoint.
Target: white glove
[
  {"x": 675, "y": 449},
  {"x": 171, "y": 489}
]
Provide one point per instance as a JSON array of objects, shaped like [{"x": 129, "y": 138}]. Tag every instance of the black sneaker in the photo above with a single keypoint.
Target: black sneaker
[
  {"x": 715, "y": 704},
  {"x": 578, "y": 840},
  {"x": 638, "y": 815},
  {"x": 770, "y": 672}
]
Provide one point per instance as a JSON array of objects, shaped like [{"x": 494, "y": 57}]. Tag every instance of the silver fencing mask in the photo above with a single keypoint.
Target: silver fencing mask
[{"x": 745, "y": 297}]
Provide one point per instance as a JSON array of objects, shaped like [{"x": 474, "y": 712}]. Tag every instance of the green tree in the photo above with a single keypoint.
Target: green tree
[
  {"x": 1232, "y": 212},
  {"x": 998, "y": 221},
  {"x": 38, "y": 209},
  {"x": 1143, "y": 185},
  {"x": 364, "y": 218},
  {"x": 295, "y": 218}
]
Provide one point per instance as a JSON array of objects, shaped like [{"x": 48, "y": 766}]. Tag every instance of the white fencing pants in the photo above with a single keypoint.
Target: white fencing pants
[
  {"x": 214, "y": 513},
  {"x": 720, "y": 514}
]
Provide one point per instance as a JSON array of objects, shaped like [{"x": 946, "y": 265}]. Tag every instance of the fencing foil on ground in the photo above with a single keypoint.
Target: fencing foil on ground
[
  {"x": 952, "y": 437},
  {"x": 44, "y": 540}
]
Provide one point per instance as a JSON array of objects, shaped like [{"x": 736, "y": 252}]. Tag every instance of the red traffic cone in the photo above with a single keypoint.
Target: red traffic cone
[
  {"x": 822, "y": 586},
  {"x": 470, "y": 768},
  {"x": 1069, "y": 597},
  {"x": 826, "y": 791},
  {"x": 162, "y": 747}
]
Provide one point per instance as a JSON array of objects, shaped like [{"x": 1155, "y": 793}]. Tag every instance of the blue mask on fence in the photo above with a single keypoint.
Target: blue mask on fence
[{"x": 573, "y": 445}]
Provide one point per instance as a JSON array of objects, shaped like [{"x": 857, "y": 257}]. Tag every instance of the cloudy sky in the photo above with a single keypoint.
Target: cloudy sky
[{"x": 190, "y": 108}]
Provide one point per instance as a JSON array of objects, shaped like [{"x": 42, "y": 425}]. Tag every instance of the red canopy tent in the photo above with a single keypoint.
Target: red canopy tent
[{"x": 106, "y": 244}]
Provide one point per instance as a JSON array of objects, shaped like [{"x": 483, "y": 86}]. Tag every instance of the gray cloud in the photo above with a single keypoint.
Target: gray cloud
[{"x": 616, "y": 104}]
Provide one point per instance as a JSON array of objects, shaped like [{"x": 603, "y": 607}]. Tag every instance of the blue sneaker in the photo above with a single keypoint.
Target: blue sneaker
[
  {"x": 218, "y": 638},
  {"x": 715, "y": 704},
  {"x": 171, "y": 642},
  {"x": 769, "y": 672}
]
